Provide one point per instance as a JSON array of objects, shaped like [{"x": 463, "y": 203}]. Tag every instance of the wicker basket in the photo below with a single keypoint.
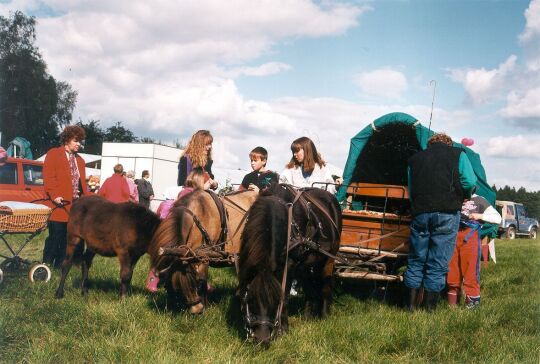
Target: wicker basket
[{"x": 24, "y": 220}]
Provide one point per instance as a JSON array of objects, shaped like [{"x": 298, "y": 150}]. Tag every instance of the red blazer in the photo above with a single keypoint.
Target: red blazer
[
  {"x": 57, "y": 180},
  {"x": 115, "y": 189}
]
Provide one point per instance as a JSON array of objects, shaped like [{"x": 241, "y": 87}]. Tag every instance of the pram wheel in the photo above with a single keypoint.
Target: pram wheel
[
  {"x": 39, "y": 273},
  {"x": 1, "y": 276}
]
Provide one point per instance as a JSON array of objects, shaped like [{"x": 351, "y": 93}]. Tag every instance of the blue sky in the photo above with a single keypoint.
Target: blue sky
[{"x": 267, "y": 72}]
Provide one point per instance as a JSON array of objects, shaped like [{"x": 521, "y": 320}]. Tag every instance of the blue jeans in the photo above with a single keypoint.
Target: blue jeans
[{"x": 432, "y": 242}]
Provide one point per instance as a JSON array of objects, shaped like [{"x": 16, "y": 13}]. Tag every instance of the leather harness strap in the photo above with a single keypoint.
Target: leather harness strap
[
  {"x": 285, "y": 270},
  {"x": 222, "y": 216}
]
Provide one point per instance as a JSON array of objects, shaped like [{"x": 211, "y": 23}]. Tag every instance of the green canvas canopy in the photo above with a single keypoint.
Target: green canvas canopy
[{"x": 379, "y": 154}]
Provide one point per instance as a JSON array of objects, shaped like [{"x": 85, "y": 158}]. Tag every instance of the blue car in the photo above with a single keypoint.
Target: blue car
[{"x": 515, "y": 221}]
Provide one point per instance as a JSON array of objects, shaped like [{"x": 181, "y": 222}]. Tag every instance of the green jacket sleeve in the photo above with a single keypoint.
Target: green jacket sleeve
[{"x": 466, "y": 175}]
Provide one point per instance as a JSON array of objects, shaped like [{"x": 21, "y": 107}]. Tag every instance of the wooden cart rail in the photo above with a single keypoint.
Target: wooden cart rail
[{"x": 377, "y": 242}]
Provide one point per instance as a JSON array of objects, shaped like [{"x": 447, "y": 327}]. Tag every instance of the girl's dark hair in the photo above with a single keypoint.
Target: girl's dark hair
[
  {"x": 72, "y": 132},
  {"x": 311, "y": 156}
]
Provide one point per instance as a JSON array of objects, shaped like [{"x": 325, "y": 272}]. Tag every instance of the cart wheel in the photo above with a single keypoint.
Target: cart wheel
[
  {"x": 1, "y": 276},
  {"x": 39, "y": 273}
]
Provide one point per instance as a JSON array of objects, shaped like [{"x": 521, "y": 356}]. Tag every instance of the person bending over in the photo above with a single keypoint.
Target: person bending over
[{"x": 464, "y": 268}]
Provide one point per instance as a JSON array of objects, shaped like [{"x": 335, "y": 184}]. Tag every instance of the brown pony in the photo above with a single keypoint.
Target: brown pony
[
  {"x": 108, "y": 229},
  {"x": 195, "y": 229}
]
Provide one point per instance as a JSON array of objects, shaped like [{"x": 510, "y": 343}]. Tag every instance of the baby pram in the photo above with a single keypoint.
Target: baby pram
[{"x": 27, "y": 220}]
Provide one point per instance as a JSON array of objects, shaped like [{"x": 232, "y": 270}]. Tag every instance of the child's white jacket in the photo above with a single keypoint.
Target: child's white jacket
[{"x": 293, "y": 176}]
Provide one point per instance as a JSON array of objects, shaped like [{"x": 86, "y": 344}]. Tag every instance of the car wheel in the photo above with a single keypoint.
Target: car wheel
[
  {"x": 532, "y": 234},
  {"x": 511, "y": 233}
]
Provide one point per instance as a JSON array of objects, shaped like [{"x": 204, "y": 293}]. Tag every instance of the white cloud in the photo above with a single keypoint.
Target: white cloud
[
  {"x": 518, "y": 147},
  {"x": 513, "y": 82},
  {"x": 171, "y": 65},
  {"x": 167, "y": 68},
  {"x": 266, "y": 69},
  {"x": 532, "y": 27},
  {"x": 482, "y": 85},
  {"x": 525, "y": 105},
  {"x": 387, "y": 83}
]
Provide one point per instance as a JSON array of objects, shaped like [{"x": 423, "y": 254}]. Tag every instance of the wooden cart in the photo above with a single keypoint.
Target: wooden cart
[{"x": 375, "y": 235}]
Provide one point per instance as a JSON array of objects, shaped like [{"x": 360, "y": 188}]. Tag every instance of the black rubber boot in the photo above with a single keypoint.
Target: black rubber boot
[
  {"x": 431, "y": 299},
  {"x": 414, "y": 294}
]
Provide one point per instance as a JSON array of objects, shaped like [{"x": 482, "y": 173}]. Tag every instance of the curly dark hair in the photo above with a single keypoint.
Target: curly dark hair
[
  {"x": 72, "y": 132},
  {"x": 440, "y": 138}
]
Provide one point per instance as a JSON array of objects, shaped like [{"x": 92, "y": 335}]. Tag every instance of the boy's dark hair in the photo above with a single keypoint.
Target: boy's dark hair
[
  {"x": 145, "y": 173},
  {"x": 72, "y": 132},
  {"x": 260, "y": 153}
]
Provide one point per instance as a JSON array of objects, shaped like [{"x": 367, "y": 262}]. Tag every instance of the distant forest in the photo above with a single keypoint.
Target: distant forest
[{"x": 531, "y": 200}]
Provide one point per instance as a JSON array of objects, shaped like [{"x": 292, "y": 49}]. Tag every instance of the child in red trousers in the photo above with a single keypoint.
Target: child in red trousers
[{"x": 464, "y": 268}]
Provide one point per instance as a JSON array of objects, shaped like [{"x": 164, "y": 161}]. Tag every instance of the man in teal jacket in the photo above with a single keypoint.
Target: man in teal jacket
[{"x": 440, "y": 178}]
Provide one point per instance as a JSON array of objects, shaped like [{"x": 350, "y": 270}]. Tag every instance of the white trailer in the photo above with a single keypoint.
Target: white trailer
[{"x": 160, "y": 160}]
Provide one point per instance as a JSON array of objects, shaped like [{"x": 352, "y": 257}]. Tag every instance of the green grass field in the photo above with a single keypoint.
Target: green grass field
[{"x": 37, "y": 328}]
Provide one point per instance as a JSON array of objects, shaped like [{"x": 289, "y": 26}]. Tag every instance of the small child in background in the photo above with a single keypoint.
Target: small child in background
[
  {"x": 93, "y": 184},
  {"x": 133, "y": 191},
  {"x": 261, "y": 177},
  {"x": 196, "y": 179}
]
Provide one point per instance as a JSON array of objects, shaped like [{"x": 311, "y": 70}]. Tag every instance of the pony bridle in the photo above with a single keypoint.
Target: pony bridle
[{"x": 253, "y": 320}]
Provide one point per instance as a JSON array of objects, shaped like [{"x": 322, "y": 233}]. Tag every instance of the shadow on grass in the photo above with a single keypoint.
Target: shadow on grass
[
  {"x": 234, "y": 317},
  {"x": 106, "y": 285},
  {"x": 392, "y": 294}
]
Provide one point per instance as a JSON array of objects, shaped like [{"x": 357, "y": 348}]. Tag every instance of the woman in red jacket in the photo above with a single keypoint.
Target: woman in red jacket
[
  {"x": 64, "y": 181},
  {"x": 115, "y": 188}
]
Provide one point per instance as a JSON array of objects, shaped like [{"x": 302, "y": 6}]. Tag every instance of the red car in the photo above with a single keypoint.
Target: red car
[{"x": 21, "y": 180}]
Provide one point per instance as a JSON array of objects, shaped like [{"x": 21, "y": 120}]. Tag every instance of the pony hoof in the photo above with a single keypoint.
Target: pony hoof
[
  {"x": 197, "y": 309},
  {"x": 59, "y": 295}
]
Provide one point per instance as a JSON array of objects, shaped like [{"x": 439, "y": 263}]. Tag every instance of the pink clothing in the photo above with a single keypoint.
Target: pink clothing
[
  {"x": 185, "y": 191},
  {"x": 133, "y": 192},
  {"x": 115, "y": 189},
  {"x": 165, "y": 207}
]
